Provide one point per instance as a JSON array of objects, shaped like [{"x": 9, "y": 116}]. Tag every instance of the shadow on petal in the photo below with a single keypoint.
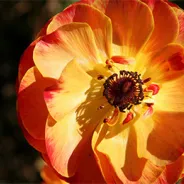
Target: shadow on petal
[
  {"x": 133, "y": 165},
  {"x": 166, "y": 141}
]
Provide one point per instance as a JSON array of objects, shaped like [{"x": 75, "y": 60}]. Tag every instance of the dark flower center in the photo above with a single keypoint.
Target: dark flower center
[{"x": 124, "y": 90}]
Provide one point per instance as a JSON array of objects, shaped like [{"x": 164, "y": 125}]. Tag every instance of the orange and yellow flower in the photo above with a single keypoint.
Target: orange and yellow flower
[{"x": 101, "y": 94}]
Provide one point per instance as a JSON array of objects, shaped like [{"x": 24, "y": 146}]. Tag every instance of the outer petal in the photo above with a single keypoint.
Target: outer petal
[
  {"x": 160, "y": 138},
  {"x": 26, "y": 61},
  {"x": 31, "y": 105},
  {"x": 166, "y": 30},
  {"x": 117, "y": 157},
  {"x": 39, "y": 145},
  {"x": 50, "y": 177},
  {"x": 172, "y": 172},
  {"x": 99, "y": 23},
  {"x": 69, "y": 92},
  {"x": 125, "y": 16},
  {"x": 54, "y": 51}
]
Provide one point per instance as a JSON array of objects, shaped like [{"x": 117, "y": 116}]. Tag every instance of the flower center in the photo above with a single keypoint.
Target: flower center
[{"x": 124, "y": 90}]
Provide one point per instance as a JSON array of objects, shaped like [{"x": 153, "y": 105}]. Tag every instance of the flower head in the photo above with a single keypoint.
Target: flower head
[{"x": 100, "y": 92}]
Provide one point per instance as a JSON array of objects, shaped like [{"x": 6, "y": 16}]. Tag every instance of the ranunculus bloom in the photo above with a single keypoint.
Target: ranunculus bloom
[{"x": 101, "y": 94}]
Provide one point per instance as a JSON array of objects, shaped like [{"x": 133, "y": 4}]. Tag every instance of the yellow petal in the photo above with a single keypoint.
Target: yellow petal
[
  {"x": 99, "y": 23},
  {"x": 69, "y": 92},
  {"x": 116, "y": 152},
  {"x": 54, "y": 51},
  {"x": 170, "y": 97},
  {"x": 66, "y": 139}
]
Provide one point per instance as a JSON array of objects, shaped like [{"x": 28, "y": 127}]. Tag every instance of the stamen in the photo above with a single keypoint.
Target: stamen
[
  {"x": 124, "y": 91},
  {"x": 106, "y": 120},
  {"x": 109, "y": 63},
  {"x": 154, "y": 88},
  {"x": 101, "y": 107},
  {"x": 146, "y": 80},
  {"x": 149, "y": 104},
  {"x": 100, "y": 77},
  {"x": 149, "y": 111},
  {"x": 122, "y": 60},
  {"x": 128, "y": 118},
  {"x": 113, "y": 119}
]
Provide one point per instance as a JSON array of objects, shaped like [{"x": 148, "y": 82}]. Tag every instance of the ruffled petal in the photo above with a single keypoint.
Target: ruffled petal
[
  {"x": 128, "y": 38},
  {"x": 69, "y": 92},
  {"x": 117, "y": 156},
  {"x": 54, "y": 51},
  {"x": 31, "y": 106},
  {"x": 166, "y": 30},
  {"x": 172, "y": 172},
  {"x": 161, "y": 138},
  {"x": 99, "y": 23},
  {"x": 66, "y": 139}
]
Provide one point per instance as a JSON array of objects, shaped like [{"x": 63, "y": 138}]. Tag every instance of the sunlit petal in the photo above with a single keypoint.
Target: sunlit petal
[{"x": 54, "y": 51}]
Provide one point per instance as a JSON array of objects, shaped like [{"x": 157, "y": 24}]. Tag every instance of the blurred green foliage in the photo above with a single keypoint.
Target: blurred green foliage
[{"x": 20, "y": 21}]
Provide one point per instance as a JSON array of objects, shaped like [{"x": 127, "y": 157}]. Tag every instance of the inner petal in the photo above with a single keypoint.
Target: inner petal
[{"x": 69, "y": 92}]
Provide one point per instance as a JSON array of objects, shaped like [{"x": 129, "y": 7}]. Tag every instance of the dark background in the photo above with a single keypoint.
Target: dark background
[{"x": 20, "y": 21}]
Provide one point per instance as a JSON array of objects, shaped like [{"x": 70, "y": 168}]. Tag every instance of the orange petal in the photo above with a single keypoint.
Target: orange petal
[
  {"x": 54, "y": 51},
  {"x": 180, "y": 16},
  {"x": 84, "y": 173},
  {"x": 47, "y": 29},
  {"x": 172, "y": 172},
  {"x": 88, "y": 170},
  {"x": 39, "y": 145},
  {"x": 99, "y": 23},
  {"x": 31, "y": 106},
  {"x": 50, "y": 176},
  {"x": 160, "y": 138},
  {"x": 124, "y": 16},
  {"x": 117, "y": 156},
  {"x": 26, "y": 60},
  {"x": 69, "y": 92},
  {"x": 167, "y": 64},
  {"x": 66, "y": 138},
  {"x": 166, "y": 30}
]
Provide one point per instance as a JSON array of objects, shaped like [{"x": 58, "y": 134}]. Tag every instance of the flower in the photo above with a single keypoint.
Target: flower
[{"x": 100, "y": 92}]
